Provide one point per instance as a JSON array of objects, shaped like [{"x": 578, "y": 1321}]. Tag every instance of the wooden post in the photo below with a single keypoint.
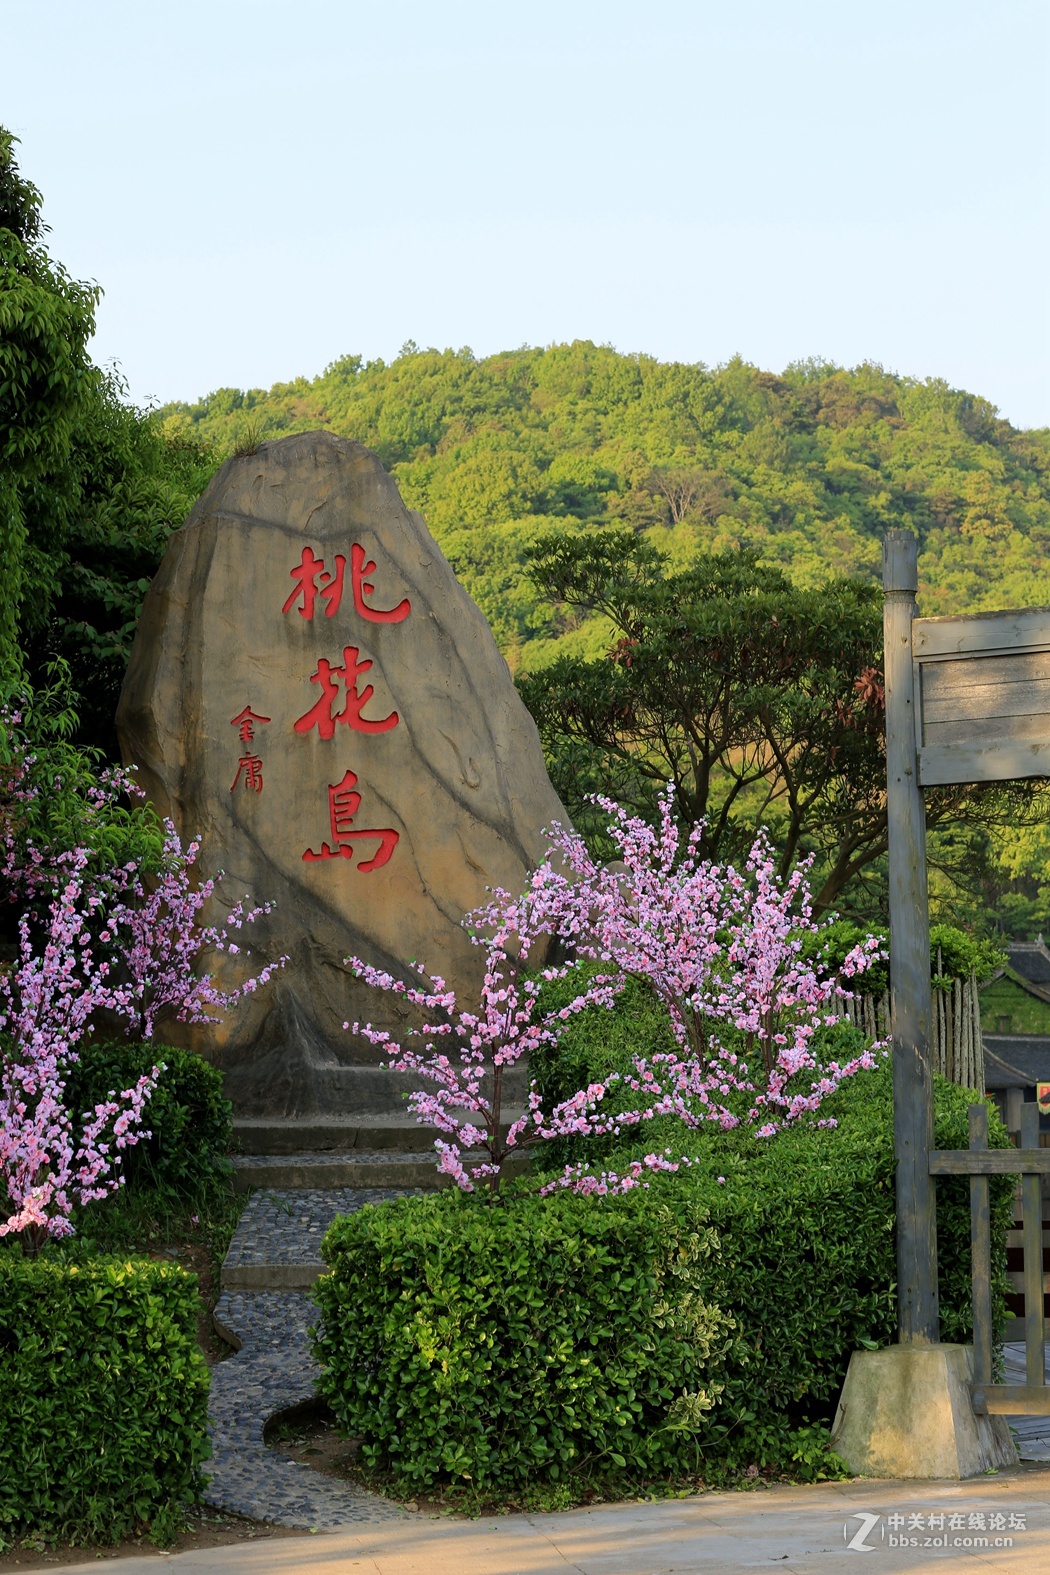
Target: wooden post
[
  {"x": 981, "y": 1250},
  {"x": 1032, "y": 1224},
  {"x": 910, "y": 1004}
]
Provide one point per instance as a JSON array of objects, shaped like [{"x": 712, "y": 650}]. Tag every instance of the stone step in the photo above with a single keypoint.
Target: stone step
[
  {"x": 368, "y": 1132},
  {"x": 345, "y": 1091},
  {"x": 359, "y": 1168}
]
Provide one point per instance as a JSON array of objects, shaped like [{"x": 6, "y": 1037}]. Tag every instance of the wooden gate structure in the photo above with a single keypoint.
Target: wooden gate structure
[{"x": 967, "y": 700}]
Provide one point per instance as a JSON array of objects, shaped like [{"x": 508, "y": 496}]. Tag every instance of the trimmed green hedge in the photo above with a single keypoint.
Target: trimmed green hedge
[
  {"x": 190, "y": 1119},
  {"x": 523, "y": 1340},
  {"x": 808, "y": 1261},
  {"x": 103, "y": 1397},
  {"x": 508, "y": 1344}
]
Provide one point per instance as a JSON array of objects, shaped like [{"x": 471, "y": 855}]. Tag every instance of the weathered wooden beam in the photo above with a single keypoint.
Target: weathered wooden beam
[
  {"x": 909, "y": 958},
  {"x": 992, "y": 631},
  {"x": 982, "y": 676},
  {"x": 1032, "y": 1225},
  {"x": 1011, "y": 1399},
  {"x": 992, "y": 1162},
  {"x": 946, "y": 763},
  {"x": 987, "y": 731}
]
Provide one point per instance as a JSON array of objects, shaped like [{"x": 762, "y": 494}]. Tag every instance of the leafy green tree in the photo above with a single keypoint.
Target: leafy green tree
[
  {"x": 760, "y": 701},
  {"x": 126, "y": 487},
  {"x": 46, "y": 320}
]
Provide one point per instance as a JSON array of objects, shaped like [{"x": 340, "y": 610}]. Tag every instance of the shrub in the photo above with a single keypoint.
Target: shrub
[
  {"x": 505, "y": 1344},
  {"x": 103, "y": 1397},
  {"x": 453, "y": 1331},
  {"x": 808, "y": 1263},
  {"x": 189, "y": 1118}
]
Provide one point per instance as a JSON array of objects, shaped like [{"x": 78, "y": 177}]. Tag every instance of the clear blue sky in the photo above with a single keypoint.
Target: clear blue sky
[{"x": 263, "y": 187}]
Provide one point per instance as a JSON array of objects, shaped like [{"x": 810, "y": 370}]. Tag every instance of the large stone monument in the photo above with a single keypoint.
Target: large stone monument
[{"x": 314, "y": 695}]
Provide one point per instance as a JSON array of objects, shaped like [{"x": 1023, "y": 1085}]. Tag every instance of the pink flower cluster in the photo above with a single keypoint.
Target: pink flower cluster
[
  {"x": 117, "y": 942},
  {"x": 721, "y": 948},
  {"x": 46, "y": 1002},
  {"x": 156, "y": 926},
  {"x": 485, "y": 1044}
]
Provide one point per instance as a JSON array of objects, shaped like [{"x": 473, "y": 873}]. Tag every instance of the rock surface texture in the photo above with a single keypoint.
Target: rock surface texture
[{"x": 314, "y": 695}]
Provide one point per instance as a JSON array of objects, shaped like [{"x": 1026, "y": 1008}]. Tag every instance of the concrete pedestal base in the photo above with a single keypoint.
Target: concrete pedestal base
[{"x": 906, "y": 1412}]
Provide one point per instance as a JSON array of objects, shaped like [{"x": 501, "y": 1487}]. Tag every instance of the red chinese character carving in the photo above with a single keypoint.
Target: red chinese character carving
[
  {"x": 361, "y": 566},
  {"x": 245, "y": 720},
  {"x": 323, "y": 717},
  {"x": 250, "y": 767},
  {"x": 312, "y": 578},
  {"x": 343, "y": 803}
]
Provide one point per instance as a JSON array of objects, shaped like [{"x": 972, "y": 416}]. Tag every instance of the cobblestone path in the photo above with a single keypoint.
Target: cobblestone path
[{"x": 272, "y": 1370}]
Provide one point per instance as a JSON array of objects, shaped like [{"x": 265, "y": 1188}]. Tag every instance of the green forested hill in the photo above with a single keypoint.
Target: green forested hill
[{"x": 809, "y": 466}]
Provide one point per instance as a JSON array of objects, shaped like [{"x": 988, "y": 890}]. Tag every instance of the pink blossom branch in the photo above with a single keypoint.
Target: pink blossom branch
[{"x": 721, "y": 948}]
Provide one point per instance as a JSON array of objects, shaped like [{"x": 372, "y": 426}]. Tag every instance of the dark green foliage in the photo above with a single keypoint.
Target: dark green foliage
[
  {"x": 103, "y": 1398},
  {"x": 189, "y": 1118},
  {"x": 807, "y": 1228},
  {"x": 954, "y": 954},
  {"x": 760, "y": 701},
  {"x": 727, "y": 680},
  {"x": 96, "y": 536},
  {"x": 49, "y": 800},
  {"x": 807, "y": 1266},
  {"x": 453, "y": 1330},
  {"x": 503, "y": 1345},
  {"x": 593, "y": 1044},
  {"x": 46, "y": 320}
]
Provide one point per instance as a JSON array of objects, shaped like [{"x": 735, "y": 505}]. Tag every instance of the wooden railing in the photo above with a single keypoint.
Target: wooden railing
[{"x": 1030, "y": 1162}]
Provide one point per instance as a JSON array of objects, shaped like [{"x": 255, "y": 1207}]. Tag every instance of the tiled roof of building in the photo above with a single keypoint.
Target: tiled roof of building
[
  {"x": 1030, "y": 960},
  {"x": 1016, "y": 1060}
]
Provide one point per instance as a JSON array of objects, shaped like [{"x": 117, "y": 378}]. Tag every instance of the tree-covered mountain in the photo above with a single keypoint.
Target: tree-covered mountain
[{"x": 809, "y": 467}]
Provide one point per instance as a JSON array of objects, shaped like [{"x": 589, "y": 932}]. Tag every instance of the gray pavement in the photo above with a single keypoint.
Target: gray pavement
[{"x": 803, "y": 1528}]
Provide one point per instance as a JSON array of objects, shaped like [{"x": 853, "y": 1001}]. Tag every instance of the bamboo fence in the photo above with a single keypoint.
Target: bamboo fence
[{"x": 956, "y": 1045}]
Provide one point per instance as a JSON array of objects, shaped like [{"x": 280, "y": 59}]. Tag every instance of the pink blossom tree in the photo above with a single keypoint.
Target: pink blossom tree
[
  {"x": 147, "y": 914},
  {"x": 721, "y": 948},
  {"x": 466, "y": 1101},
  {"x": 156, "y": 925},
  {"x": 97, "y": 939},
  {"x": 46, "y": 1003}
]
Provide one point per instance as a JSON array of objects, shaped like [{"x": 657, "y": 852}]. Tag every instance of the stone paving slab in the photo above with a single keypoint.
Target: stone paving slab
[
  {"x": 272, "y": 1371},
  {"x": 356, "y": 1156}
]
